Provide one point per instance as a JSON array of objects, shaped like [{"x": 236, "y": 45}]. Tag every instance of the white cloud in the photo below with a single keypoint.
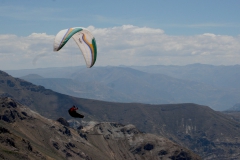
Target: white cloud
[{"x": 123, "y": 45}]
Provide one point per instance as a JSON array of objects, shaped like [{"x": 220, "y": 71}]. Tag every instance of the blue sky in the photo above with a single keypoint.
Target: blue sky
[
  {"x": 172, "y": 32},
  {"x": 183, "y": 17}
]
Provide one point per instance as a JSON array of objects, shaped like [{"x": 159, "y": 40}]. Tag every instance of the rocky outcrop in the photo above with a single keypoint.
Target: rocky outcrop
[
  {"x": 131, "y": 143},
  {"x": 63, "y": 121},
  {"x": 9, "y": 113}
]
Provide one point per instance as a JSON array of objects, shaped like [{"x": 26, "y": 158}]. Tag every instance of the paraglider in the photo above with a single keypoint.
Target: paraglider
[
  {"x": 86, "y": 43},
  {"x": 84, "y": 39},
  {"x": 73, "y": 112}
]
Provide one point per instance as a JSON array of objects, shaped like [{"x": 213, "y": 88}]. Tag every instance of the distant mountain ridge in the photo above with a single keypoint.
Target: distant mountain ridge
[
  {"x": 92, "y": 90},
  {"x": 236, "y": 107},
  {"x": 32, "y": 76},
  {"x": 219, "y": 76},
  {"x": 124, "y": 84},
  {"x": 211, "y": 134}
]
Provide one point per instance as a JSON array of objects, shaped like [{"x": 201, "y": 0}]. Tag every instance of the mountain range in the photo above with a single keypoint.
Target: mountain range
[
  {"x": 214, "y": 86},
  {"x": 211, "y": 134},
  {"x": 218, "y": 76}
]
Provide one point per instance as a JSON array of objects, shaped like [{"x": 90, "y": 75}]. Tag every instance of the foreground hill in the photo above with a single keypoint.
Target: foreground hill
[
  {"x": 26, "y": 135},
  {"x": 211, "y": 134}
]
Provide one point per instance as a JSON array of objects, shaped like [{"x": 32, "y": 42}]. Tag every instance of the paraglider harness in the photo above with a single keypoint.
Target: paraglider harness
[{"x": 73, "y": 112}]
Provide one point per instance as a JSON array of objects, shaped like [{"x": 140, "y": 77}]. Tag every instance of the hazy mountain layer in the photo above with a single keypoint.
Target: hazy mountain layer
[
  {"x": 122, "y": 84},
  {"x": 218, "y": 76},
  {"x": 236, "y": 108}
]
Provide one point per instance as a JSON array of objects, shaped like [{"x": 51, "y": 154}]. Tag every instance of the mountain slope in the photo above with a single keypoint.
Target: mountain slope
[
  {"x": 144, "y": 87},
  {"x": 25, "y": 134},
  {"x": 122, "y": 84},
  {"x": 93, "y": 90},
  {"x": 207, "y": 132}
]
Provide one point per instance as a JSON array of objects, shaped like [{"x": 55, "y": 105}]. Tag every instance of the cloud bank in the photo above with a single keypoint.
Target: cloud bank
[{"x": 122, "y": 45}]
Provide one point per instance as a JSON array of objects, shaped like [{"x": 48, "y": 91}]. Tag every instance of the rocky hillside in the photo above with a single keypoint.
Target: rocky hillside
[
  {"x": 211, "y": 134},
  {"x": 26, "y": 135}
]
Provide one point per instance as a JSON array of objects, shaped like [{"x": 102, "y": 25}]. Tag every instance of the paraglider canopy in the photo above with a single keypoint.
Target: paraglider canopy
[{"x": 84, "y": 39}]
